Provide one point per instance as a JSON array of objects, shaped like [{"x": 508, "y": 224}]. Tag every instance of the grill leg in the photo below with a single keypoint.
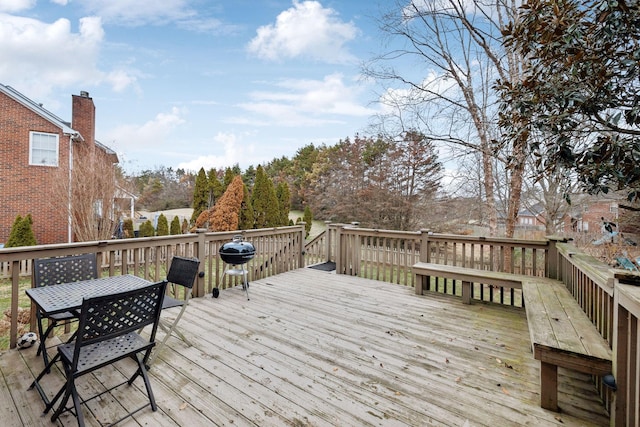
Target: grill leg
[{"x": 245, "y": 284}]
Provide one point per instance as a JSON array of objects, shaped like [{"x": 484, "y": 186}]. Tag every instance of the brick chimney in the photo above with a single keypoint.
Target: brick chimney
[{"x": 83, "y": 118}]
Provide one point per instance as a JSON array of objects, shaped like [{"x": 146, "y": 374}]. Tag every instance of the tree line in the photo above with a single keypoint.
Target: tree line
[{"x": 382, "y": 183}]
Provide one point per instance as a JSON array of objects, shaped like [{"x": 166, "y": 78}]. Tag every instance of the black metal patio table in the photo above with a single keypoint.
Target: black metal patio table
[{"x": 68, "y": 296}]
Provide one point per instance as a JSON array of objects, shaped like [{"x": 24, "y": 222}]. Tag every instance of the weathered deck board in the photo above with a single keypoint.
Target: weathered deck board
[{"x": 313, "y": 348}]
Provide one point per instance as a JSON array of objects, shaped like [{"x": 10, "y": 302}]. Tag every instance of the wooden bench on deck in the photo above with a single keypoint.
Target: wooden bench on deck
[{"x": 561, "y": 333}]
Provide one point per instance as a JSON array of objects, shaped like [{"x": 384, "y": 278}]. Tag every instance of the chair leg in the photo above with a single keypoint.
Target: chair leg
[
  {"x": 168, "y": 330},
  {"x": 159, "y": 346},
  {"x": 142, "y": 370},
  {"x": 42, "y": 346},
  {"x": 36, "y": 381}
]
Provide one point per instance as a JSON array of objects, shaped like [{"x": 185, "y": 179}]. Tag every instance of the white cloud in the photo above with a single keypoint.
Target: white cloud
[
  {"x": 235, "y": 150},
  {"x": 431, "y": 89},
  {"x": 39, "y": 56},
  {"x": 149, "y": 134},
  {"x": 60, "y": 2},
  {"x": 302, "y": 102},
  {"x": 305, "y": 30},
  {"x": 16, "y": 5},
  {"x": 139, "y": 12}
]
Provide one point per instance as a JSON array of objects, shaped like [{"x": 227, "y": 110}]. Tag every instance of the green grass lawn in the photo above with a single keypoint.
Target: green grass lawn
[{"x": 317, "y": 227}]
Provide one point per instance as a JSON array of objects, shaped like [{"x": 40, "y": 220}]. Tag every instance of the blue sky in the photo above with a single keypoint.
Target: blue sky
[{"x": 197, "y": 83}]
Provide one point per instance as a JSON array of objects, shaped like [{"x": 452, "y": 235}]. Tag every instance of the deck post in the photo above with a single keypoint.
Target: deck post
[
  {"x": 552, "y": 267},
  {"x": 339, "y": 250},
  {"x": 621, "y": 333},
  {"x": 301, "y": 238},
  {"x": 327, "y": 240},
  {"x": 466, "y": 292},
  {"x": 200, "y": 253},
  {"x": 422, "y": 281},
  {"x": 549, "y": 386}
]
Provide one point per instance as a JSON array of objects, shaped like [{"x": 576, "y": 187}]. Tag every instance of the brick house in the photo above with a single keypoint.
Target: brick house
[
  {"x": 588, "y": 211},
  {"x": 36, "y": 149}
]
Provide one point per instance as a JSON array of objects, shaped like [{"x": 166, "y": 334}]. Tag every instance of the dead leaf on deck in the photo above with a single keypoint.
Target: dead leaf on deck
[
  {"x": 498, "y": 360},
  {"x": 335, "y": 369},
  {"x": 506, "y": 365},
  {"x": 458, "y": 379},
  {"x": 559, "y": 419},
  {"x": 505, "y": 391},
  {"x": 183, "y": 406},
  {"x": 446, "y": 360}
]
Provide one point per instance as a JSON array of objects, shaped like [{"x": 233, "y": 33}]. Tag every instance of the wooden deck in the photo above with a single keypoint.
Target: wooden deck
[{"x": 313, "y": 348}]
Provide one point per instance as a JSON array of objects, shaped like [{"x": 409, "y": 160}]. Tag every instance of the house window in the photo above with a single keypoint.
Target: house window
[{"x": 43, "y": 149}]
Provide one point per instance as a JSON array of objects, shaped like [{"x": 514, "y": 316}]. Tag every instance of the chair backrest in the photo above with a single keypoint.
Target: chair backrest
[
  {"x": 110, "y": 316},
  {"x": 183, "y": 271},
  {"x": 74, "y": 268}
]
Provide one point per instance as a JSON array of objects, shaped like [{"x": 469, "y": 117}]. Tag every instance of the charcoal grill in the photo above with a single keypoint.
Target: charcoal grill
[{"x": 235, "y": 255}]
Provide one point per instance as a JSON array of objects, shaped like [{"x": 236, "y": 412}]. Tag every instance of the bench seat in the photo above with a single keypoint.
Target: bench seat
[{"x": 561, "y": 333}]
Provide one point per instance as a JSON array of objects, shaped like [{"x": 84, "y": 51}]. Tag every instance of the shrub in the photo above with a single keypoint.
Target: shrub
[
  {"x": 163, "y": 226},
  {"x": 127, "y": 228},
  {"x": 307, "y": 217},
  {"x": 146, "y": 229},
  {"x": 175, "y": 226},
  {"x": 21, "y": 233}
]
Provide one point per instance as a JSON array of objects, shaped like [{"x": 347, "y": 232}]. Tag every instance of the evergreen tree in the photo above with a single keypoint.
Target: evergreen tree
[
  {"x": 21, "y": 233},
  {"x": 284, "y": 202},
  {"x": 228, "y": 177},
  {"x": 249, "y": 176},
  {"x": 146, "y": 229},
  {"x": 185, "y": 226},
  {"x": 307, "y": 217},
  {"x": 247, "y": 220},
  {"x": 200, "y": 195},
  {"x": 163, "y": 226},
  {"x": 175, "y": 226},
  {"x": 264, "y": 201},
  {"x": 216, "y": 189}
]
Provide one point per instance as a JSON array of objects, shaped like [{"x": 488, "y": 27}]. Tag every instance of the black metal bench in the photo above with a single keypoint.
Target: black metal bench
[{"x": 561, "y": 333}]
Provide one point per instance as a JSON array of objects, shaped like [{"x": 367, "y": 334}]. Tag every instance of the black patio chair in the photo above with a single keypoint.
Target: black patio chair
[
  {"x": 54, "y": 271},
  {"x": 106, "y": 334},
  {"x": 181, "y": 277}
]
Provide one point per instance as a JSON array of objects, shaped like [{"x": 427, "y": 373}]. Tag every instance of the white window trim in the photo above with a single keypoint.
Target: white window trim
[{"x": 57, "y": 138}]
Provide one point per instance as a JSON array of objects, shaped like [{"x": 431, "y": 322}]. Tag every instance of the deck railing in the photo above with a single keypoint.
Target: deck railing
[
  {"x": 603, "y": 293},
  {"x": 277, "y": 250},
  {"x": 389, "y": 256}
]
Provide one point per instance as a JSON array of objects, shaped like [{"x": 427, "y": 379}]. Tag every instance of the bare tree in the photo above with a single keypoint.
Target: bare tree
[
  {"x": 381, "y": 183},
  {"x": 457, "y": 46},
  {"x": 85, "y": 194}
]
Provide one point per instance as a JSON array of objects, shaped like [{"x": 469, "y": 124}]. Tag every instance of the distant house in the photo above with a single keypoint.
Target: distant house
[
  {"x": 36, "y": 149},
  {"x": 587, "y": 213},
  {"x": 531, "y": 216}
]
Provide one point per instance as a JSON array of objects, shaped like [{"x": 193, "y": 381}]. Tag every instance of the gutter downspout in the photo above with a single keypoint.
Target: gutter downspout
[{"x": 72, "y": 137}]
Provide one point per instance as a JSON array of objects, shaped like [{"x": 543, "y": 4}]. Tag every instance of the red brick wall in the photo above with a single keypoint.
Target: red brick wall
[
  {"x": 26, "y": 189},
  {"x": 591, "y": 214}
]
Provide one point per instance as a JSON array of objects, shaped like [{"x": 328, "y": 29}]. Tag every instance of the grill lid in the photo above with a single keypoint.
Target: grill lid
[{"x": 237, "y": 251}]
